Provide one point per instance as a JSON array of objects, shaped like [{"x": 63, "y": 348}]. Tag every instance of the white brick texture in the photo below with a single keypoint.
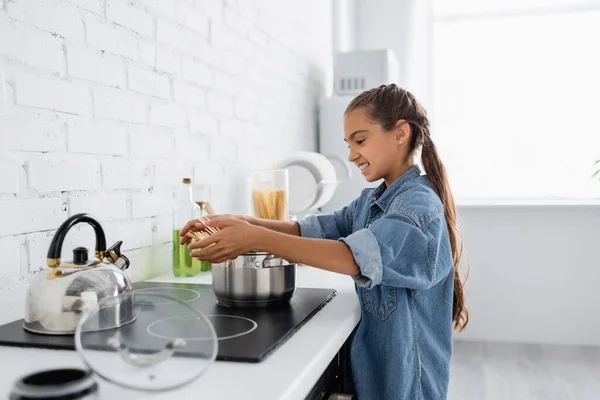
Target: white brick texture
[
  {"x": 55, "y": 16},
  {"x": 9, "y": 175},
  {"x": 196, "y": 72},
  {"x": 152, "y": 143},
  {"x": 28, "y": 45},
  {"x": 106, "y": 104},
  {"x": 220, "y": 104},
  {"x": 189, "y": 95},
  {"x": 134, "y": 234},
  {"x": 52, "y": 94},
  {"x": 145, "y": 205},
  {"x": 104, "y": 207},
  {"x": 30, "y": 215},
  {"x": 94, "y": 66},
  {"x": 203, "y": 122},
  {"x": 95, "y": 6},
  {"x": 165, "y": 175},
  {"x": 126, "y": 15},
  {"x": 97, "y": 137},
  {"x": 119, "y": 174},
  {"x": 148, "y": 82},
  {"x": 167, "y": 60},
  {"x": 119, "y": 105},
  {"x": 164, "y": 229},
  {"x": 173, "y": 34},
  {"x": 2, "y": 88},
  {"x": 11, "y": 258},
  {"x": 62, "y": 175},
  {"x": 30, "y": 130},
  {"x": 147, "y": 53},
  {"x": 191, "y": 147},
  {"x": 167, "y": 114},
  {"x": 112, "y": 39},
  {"x": 193, "y": 18}
]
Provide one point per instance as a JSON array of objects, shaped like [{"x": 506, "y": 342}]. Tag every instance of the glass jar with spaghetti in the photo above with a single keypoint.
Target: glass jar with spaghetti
[{"x": 270, "y": 193}]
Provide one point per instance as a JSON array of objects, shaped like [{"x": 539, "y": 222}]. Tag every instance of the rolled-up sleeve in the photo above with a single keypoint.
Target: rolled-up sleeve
[
  {"x": 310, "y": 228},
  {"x": 329, "y": 226},
  {"x": 394, "y": 251}
]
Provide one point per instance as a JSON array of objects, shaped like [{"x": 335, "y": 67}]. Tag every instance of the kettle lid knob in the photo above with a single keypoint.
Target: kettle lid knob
[{"x": 80, "y": 255}]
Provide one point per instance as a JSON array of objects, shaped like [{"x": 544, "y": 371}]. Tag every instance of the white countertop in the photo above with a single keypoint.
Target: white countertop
[{"x": 288, "y": 373}]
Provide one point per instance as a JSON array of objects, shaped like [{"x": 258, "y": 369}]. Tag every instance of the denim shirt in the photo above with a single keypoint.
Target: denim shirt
[{"x": 398, "y": 235}]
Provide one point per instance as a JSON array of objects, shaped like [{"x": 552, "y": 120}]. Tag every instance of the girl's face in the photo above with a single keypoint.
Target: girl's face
[{"x": 377, "y": 153}]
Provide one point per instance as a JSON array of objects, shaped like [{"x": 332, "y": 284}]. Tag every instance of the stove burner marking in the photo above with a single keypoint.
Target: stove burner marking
[
  {"x": 254, "y": 326},
  {"x": 167, "y": 288}
]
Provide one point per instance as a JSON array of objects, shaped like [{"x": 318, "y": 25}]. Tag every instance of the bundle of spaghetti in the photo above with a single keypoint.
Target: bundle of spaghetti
[{"x": 270, "y": 203}]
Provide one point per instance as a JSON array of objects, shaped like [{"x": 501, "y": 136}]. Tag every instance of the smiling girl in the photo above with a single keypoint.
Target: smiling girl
[{"x": 399, "y": 242}]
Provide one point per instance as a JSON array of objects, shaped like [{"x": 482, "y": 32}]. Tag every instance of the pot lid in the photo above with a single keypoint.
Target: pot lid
[{"x": 166, "y": 345}]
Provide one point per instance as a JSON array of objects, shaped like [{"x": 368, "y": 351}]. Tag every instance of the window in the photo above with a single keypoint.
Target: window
[{"x": 516, "y": 97}]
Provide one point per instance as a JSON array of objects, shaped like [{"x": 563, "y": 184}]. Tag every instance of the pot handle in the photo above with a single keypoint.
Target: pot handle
[
  {"x": 272, "y": 261},
  {"x": 55, "y": 249}
]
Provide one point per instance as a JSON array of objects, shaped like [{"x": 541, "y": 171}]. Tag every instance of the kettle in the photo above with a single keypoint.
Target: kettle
[{"x": 58, "y": 298}]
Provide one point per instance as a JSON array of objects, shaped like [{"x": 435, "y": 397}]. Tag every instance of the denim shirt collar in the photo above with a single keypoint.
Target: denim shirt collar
[{"x": 382, "y": 195}]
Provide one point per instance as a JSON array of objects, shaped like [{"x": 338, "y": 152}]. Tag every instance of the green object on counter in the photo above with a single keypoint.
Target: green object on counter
[
  {"x": 183, "y": 263},
  {"x": 185, "y": 210},
  {"x": 205, "y": 266}
]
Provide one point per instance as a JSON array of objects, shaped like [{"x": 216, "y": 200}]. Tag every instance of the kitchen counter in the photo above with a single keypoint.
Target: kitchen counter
[{"x": 288, "y": 373}]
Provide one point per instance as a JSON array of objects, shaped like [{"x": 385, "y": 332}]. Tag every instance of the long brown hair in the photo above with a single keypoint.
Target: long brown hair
[{"x": 388, "y": 104}]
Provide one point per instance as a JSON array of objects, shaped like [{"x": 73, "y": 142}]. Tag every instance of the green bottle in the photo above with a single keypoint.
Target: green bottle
[
  {"x": 185, "y": 210},
  {"x": 204, "y": 265}
]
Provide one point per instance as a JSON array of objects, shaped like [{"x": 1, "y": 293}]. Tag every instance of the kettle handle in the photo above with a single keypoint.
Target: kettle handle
[{"x": 55, "y": 249}]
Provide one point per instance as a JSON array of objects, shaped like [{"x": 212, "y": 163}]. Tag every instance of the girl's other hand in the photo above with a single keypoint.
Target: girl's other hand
[
  {"x": 234, "y": 237},
  {"x": 195, "y": 225}
]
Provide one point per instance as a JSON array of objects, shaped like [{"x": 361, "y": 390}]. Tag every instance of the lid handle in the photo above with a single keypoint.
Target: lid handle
[
  {"x": 144, "y": 360},
  {"x": 80, "y": 256}
]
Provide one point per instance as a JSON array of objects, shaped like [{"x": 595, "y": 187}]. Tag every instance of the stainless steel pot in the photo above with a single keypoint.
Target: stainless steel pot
[{"x": 254, "y": 279}]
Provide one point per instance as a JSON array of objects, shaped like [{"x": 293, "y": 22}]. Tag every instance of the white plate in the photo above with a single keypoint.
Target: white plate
[{"x": 312, "y": 181}]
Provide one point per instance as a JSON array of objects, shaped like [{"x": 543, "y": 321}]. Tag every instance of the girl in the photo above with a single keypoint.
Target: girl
[{"x": 399, "y": 242}]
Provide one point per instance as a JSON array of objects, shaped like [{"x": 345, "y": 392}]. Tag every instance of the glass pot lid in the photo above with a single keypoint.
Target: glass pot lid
[{"x": 166, "y": 345}]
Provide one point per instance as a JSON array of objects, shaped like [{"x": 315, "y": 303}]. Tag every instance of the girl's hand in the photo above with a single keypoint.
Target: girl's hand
[
  {"x": 196, "y": 226},
  {"x": 234, "y": 237}
]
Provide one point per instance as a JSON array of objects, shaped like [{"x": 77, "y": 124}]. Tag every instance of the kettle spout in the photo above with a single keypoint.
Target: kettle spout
[{"x": 113, "y": 253}]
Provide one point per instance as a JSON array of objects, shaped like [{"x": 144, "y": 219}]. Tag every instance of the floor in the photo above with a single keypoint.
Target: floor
[{"x": 484, "y": 371}]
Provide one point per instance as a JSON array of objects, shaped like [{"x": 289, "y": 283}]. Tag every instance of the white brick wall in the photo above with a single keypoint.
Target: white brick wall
[
  {"x": 94, "y": 66},
  {"x": 30, "y": 215},
  {"x": 9, "y": 175},
  {"x": 106, "y": 104},
  {"x": 111, "y": 38},
  {"x": 144, "y": 205},
  {"x": 63, "y": 174},
  {"x": 154, "y": 143},
  {"x": 28, "y": 45},
  {"x": 123, "y": 174},
  {"x": 97, "y": 137},
  {"x": 57, "y": 17},
  {"x": 104, "y": 206},
  {"x": 148, "y": 82},
  {"x": 118, "y": 104},
  {"x": 52, "y": 94},
  {"x": 27, "y": 129},
  {"x": 126, "y": 15},
  {"x": 10, "y": 246},
  {"x": 167, "y": 114}
]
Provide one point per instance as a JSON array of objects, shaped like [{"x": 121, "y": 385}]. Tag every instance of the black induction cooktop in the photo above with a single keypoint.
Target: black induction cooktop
[{"x": 244, "y": 334}]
